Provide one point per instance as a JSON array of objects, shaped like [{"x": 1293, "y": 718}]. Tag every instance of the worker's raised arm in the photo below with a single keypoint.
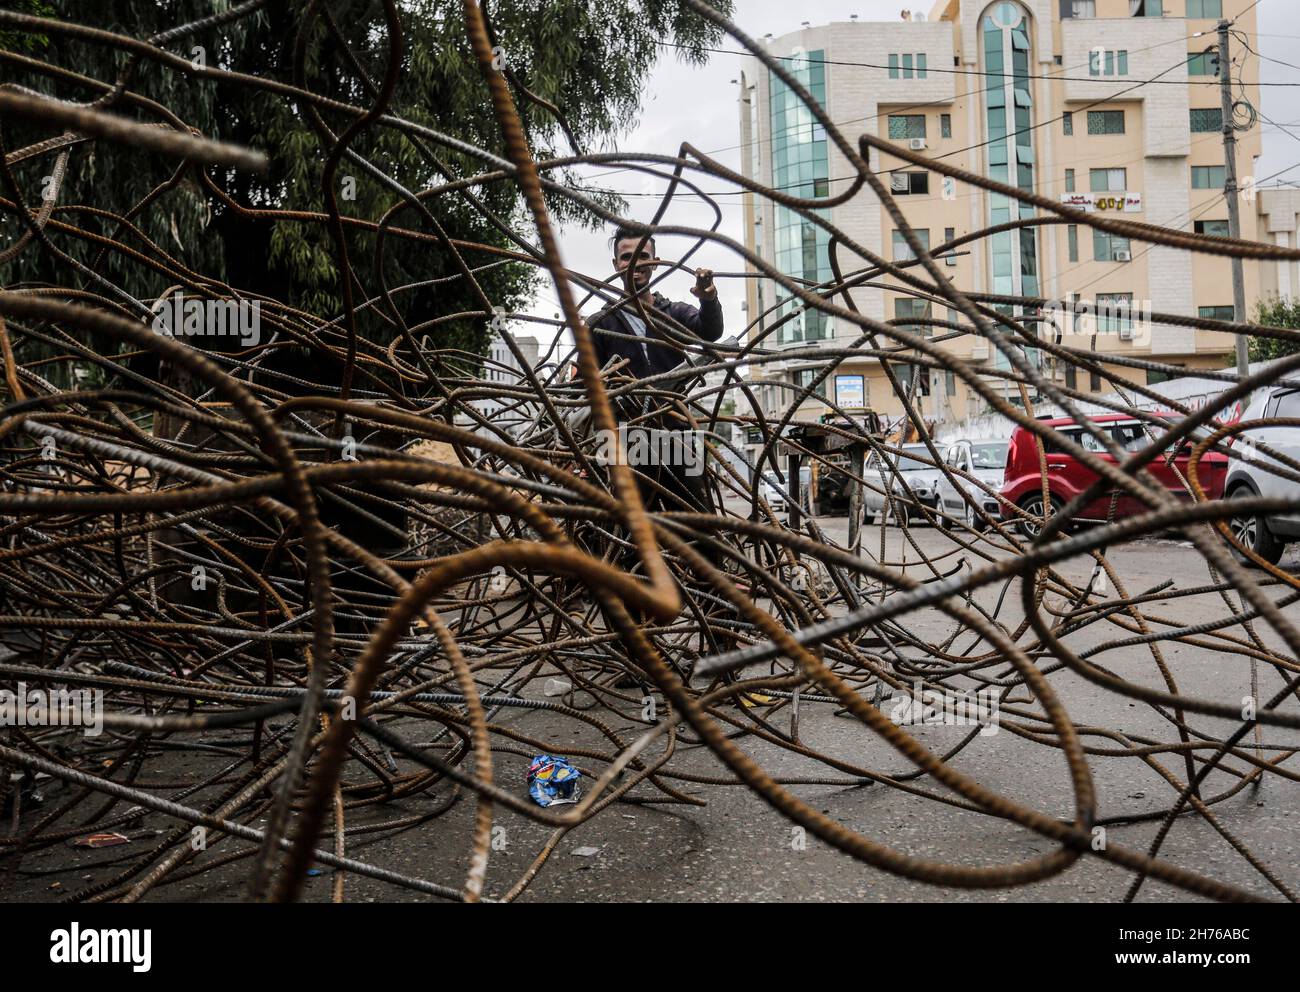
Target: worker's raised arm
[{"x": 706, "y": 322}]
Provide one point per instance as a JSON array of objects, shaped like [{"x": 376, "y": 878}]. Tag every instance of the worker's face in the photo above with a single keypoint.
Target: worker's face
[{"x": 625, "y": 255}]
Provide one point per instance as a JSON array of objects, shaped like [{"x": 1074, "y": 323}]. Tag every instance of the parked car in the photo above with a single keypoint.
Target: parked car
[
  {"x": 1248, "y": 474},
  {"x": 773, "y": 489},
  {"x": 985, "y": 461},
  {"x": 909, "y": 481},
  {"x": 1067, "y": 477}
]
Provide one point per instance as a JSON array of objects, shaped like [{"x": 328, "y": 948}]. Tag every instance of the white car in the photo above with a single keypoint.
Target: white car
[
  {"x": 773, "y": 490},
  {"x": 1249, "y": 475},
  {"x": 909, "y": 481},
  {"x": 983, "y": 460}
]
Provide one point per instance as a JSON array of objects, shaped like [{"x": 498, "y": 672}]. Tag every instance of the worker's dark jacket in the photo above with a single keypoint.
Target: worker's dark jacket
[
  {"x": 688, "y": 492},
  {"x": 706, "y": 322}
]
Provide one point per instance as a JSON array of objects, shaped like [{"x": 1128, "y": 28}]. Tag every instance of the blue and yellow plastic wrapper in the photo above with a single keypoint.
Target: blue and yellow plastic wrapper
[{"x": 553, "y": 781}]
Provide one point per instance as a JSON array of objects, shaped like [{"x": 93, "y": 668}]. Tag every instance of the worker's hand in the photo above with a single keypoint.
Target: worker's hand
[{"x": 704, "y": 287}]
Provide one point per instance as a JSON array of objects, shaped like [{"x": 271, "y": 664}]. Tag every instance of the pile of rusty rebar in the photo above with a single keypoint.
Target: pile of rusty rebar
[{"x": 356, "y": 611}]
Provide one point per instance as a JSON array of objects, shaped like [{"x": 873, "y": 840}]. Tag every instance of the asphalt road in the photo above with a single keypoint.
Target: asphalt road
[{"x": 736, "y": 848}]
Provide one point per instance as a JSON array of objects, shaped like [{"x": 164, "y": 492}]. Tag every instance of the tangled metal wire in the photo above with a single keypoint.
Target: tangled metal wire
[{"x": 307, "y": 613}]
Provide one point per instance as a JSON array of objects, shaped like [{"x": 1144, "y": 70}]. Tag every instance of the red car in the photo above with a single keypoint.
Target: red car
[{"x": 1067, "y": 477}]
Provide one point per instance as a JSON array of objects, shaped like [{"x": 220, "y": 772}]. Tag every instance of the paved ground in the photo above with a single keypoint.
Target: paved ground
[{"x": 736, "y": 848}]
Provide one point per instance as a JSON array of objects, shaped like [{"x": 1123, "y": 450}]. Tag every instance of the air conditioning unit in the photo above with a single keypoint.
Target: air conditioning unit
[
  {"x": 916, "y": 144},
  {"x": 979, "y": 351},
  {"x": 1123, "y": 256}
]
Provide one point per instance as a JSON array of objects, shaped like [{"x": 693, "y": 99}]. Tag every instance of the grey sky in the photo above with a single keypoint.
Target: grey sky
[{"x": 698, "y": 105}]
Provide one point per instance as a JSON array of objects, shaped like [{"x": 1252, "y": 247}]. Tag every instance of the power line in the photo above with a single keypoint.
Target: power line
[
  {"x": 1051, "y": 77},
  {"x": 917, "y": 106}
]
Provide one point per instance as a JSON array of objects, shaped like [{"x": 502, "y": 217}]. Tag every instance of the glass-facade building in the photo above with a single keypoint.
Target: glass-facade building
[
  {"x": 1040, "y": 97},
  {"x": 800, "y": 167},
  {"x": 1008, "y": 107}
]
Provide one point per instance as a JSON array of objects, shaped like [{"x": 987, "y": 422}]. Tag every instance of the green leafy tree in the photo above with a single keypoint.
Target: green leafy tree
[
  {"x": 585, "y": 64},
  {"x": 24, "y": 41},
  {"x": 1276, "y": 312}
]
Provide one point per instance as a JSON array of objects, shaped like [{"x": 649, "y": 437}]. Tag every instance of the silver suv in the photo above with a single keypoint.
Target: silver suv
[
  {"x": 1249, "y": 474},
  {"x": 909, "y": 481},
  {"x": 982, "y": 460}
]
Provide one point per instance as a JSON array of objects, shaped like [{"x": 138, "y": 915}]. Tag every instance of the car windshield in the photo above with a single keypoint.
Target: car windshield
[
  {"x": 906, "y": 464},
  {"x": 901, "y": 463},
  {"x": 989, "y": 455}
]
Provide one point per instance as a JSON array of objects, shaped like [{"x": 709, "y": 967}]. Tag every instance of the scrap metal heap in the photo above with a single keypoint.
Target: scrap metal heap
[{"x": 357, "y": 611}]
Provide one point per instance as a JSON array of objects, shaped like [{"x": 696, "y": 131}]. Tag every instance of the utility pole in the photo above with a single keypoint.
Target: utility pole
[{"x": 1230, "y": 192}]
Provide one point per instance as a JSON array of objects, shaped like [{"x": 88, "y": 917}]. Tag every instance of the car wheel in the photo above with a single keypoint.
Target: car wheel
[
  {"x": 946, "y": 519},
  {"x": 1251, "y": 531},
  {"x": 973, "y": 521},
  {"x": 1033, "y": 505}
]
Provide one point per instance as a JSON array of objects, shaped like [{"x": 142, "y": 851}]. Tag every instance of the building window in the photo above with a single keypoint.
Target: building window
[
  {"x": 906, "y": 126},
  {"x": 1155, "y": 376},
  {"x": 1207, "y": 120},
  {"x": 1094, "y": 382},
  {"x": 1114, "y": 313},
  {"x": 1071, "y": 377},
  {"x": 1204, "y": 8},
  {"x": 950, "y": 235},
  {"x": 1078, "y": 8},
  {"x": 909, "y": 183},
  {"x": 1109, "y": 247},
  {"x": 1214, "y": 228},
  {"x": 1203, "y": 64},
  {"x": 1208, "y": 176},
  {"x": 945, "y": 125},
  {"x": 1103, "y": 62},
  {"x": 1147, "y": 8},
  {"x": 1105, "y": 122},
  {"x": 902, "y": 251},
  {"x": 1069, "y": 180},
  {"x": 802, "y": 377},
  {"x": 800, "y": 167},
  {"x": 1108, "y": 180},
  {"x": 893, "y": 67},
  {"x": 922, "y": 375},
  {"x": 1217, "y": 313},
  {"x": 1072, "y": 239},
  {"x": 1067, "y": 122},
  {"x": 906, "y": 308}
]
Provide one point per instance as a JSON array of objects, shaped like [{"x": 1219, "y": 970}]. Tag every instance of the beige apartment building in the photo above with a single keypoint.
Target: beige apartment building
[{"x": 1111, "y": 105}]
